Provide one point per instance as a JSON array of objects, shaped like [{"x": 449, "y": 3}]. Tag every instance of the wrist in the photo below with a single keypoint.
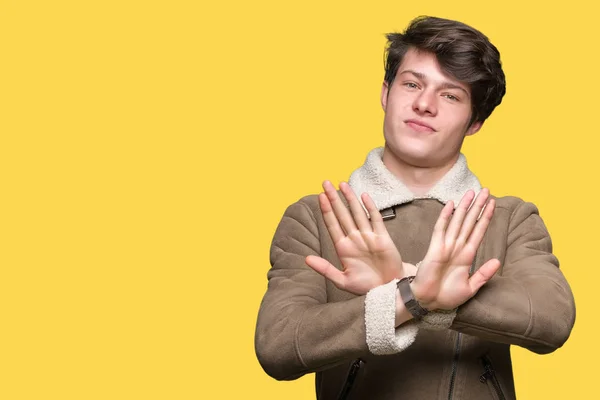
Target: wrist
[
  {"x": 408, "y": 269},
  {"x": 420, "y": 298},
  {"x": 402, "y": 313}
]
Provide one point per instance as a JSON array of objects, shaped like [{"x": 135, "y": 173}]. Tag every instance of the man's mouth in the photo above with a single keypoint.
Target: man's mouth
[{"x": 419, "y": 126}]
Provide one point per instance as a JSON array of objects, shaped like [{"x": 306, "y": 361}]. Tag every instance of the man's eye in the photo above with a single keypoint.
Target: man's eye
[
  {"x": 451, "y": 97},
  {"x": 411, "y": 85}
]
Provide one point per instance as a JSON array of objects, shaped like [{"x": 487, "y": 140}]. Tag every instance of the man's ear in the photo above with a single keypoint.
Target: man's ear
[
  {"x": 474, "y": 128},
  {"x": 384, "y": 95}
]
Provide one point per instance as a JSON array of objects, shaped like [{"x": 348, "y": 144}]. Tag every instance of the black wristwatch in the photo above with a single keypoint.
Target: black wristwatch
[{"x": 408, "y": 297}]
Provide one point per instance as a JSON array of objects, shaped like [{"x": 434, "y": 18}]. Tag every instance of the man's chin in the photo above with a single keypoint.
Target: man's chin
[{"x": 415, "y": 156}]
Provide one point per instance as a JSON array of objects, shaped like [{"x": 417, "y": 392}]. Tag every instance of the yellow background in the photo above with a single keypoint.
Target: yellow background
[{"x": 149, "y": 148}]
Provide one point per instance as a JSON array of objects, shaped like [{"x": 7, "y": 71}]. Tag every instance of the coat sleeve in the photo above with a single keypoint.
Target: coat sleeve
[
  {"x": 298, "y": 331},
  {"x": 530, "y": 304}
]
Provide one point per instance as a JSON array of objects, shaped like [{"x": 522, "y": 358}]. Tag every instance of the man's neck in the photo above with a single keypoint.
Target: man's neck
[{"x": 419, "y": 180}]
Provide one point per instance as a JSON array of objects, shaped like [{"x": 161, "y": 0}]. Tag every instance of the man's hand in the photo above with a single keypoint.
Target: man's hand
[
  {"x": 443, "y": 281},
  {"x": 368, "y": 255}
]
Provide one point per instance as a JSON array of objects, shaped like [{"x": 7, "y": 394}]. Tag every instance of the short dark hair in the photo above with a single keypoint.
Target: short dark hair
[{"x": 462, "y": 51}]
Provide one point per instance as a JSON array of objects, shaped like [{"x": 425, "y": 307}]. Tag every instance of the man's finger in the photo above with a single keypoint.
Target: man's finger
[
  {"x": 359, "y": 214},
  {"x": 473, "y": 215},
  {"x": 331, "y": 221},
  {"x": 442, "y": 222},
  {"x": 339, "y": 208},
  {"x": 436, "y": 251},
  {"x": 459, "y": 215},
  {"x": 481, "y": 226},
  {"x": 376, "y": 218},
  {"x": 325, "y": 268},
  {"x": 483, "y": 275}
]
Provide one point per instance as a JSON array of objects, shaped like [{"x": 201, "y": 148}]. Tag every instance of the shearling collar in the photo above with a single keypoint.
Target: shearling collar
[{"x": 387, "y": 190}]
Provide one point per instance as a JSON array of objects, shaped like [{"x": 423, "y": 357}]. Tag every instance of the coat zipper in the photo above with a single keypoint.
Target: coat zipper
[
  {"x": 490, "y": 374},
  {"x": 454, "y": 366},
  {"x": 352, "y": 373},
  {"x": 457, "y": 347}
]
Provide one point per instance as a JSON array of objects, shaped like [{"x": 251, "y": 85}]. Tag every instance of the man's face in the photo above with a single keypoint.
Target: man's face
[{"x": 427, "y": 113}]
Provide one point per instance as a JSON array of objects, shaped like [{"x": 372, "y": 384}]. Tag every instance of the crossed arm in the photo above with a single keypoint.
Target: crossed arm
[
  {"x": 298, "y": 331},
  {"x": 370, "y": 258}
]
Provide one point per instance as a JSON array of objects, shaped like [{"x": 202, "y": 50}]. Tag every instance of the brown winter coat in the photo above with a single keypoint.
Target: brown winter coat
[{"x": 305, "y": 324}]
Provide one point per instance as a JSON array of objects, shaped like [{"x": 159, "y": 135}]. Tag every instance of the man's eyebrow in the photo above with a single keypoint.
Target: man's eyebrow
[
  {"x": 415, "y": 73},
  {"x": 448, "y": 85},
  {"x": 445, "y": 85}
]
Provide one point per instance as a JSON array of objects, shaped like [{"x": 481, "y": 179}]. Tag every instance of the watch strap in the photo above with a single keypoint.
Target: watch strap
[{"x": 408, "y": 297}]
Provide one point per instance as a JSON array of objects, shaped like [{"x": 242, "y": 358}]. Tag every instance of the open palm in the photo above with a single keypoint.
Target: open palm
[
  {"x": 444, "y": 278},
  {"x": 368, "y": 255}
]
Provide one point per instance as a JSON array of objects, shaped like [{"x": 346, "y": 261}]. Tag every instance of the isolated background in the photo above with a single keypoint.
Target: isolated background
[{"x": 149, "y": 148}]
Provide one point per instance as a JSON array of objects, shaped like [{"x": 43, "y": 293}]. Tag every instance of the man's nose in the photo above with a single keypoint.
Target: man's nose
[{"x": 425, "y": 103}]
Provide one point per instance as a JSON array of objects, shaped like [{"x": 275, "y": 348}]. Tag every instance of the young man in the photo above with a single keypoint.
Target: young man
[{"x": 415, "y": 282}]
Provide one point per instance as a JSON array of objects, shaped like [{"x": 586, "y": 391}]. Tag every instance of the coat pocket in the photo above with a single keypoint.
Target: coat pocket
[
  {"x": 489, "y": 377},
  {"x": 355, "y": 368}
]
